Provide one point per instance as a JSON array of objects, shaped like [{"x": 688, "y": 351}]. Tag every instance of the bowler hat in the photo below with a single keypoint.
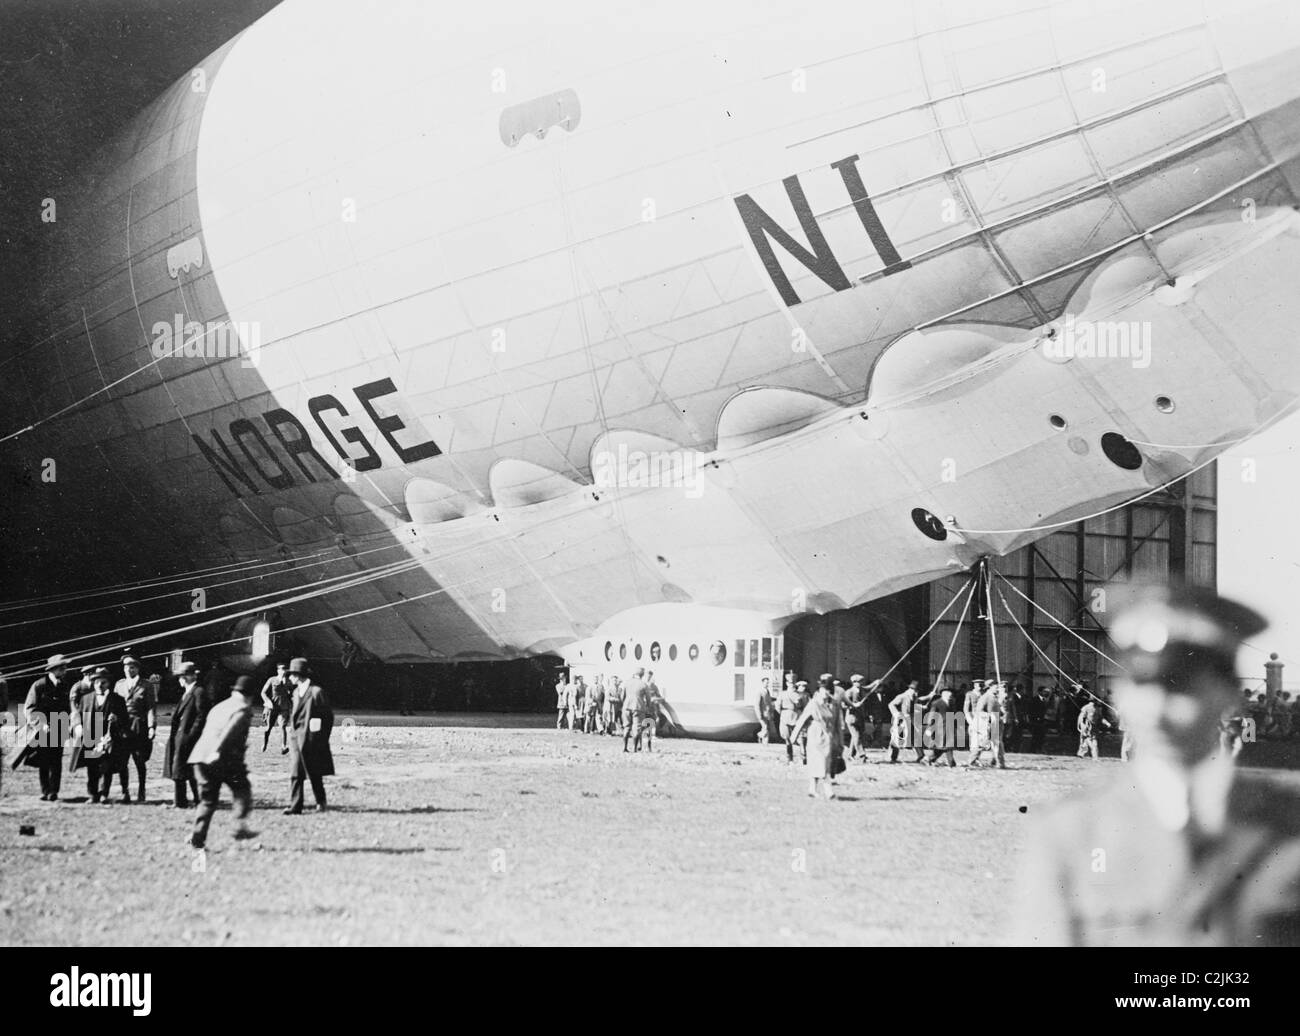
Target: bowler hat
[
  {"x": 244, "y": 685},
  {"x": 299, "y": 667}
]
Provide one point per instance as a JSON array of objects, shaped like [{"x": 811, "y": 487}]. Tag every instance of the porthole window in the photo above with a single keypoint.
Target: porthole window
[
  {"x": 1057, "y": 421},
  {"x": 1164, "y": 404},
  {"x": 718, "y": 652},
  {"x": 622, "y": 652},
  {"x": 1120, "y": 452},
  {"x": 693, "y": 652},
  {"x": 928, "y": 524},
  {"x": 609, "y": 651},
  {"x": 672, "y": 652},
  {"x": 654, "y": 651},
  {"x": 636, "y": 652}
]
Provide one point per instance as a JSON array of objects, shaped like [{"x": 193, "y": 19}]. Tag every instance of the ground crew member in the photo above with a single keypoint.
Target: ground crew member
[
  {"x": 595, "y": 707},
  {"x": 937, "y": 722},
  {"x": 990, "y": 725},
  {"x": 855, "y": 715},
  {"x": 577, "y": 692},
  {"x": 650, "y": 721},
  {"x": 218, "y": 758},
  {"x": 311, "y": 720},
  {"x": 1197, "y": 852},
  {"x": 141, "y": 706},
  {"x": 791, "y": 704},
  {"x": 561, "y": 701},
  {"x": 1036, "y": 713},
  {"x": 635, "y": 699},
  {"x": 613, "y": 705},
  {"x": 1089, "y": 726},
  {"x": 763, "y": 709},
  {"x": 186, "y": 729},
  {"x": 277, "y": 698},
  {"x": 902, "y": 732}
]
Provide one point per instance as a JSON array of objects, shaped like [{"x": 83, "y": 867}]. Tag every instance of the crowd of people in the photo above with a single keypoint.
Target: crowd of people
[
  {"x": 111, "y": 725},
  {"x": 984, "y": 717},
  {"x": 629, "y": 709}
]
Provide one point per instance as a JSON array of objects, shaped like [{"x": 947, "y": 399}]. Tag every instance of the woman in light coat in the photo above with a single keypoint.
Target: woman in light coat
[{"x": 825, "y": 722}]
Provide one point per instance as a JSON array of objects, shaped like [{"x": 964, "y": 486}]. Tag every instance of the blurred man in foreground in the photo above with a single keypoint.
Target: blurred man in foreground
[{"x": 1180, "y": 850}]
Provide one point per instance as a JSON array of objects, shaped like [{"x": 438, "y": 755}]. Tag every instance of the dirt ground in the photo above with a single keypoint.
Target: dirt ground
[{"x": 501, "y": 830}]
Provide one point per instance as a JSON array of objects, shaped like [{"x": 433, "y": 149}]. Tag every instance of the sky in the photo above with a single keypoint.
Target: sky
[{"x": 1259, "y": 550}]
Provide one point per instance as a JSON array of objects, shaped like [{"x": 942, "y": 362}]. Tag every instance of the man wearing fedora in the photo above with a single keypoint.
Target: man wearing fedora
[
  {"x": 186, "y": 729},
  {"x": 310, "y": 719},
  {"x": 1181, "y": 849},
  {"x": 46, "y": 713},
  {"x": 101, "y": 737},
  {"x": 141, "y": 705}
]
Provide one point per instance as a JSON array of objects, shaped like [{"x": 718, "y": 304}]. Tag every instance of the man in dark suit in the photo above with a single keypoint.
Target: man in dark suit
[
  {"x": 101, "y": 737},
  {"x": 186, "y": 728},
  {"x": 311, "y": 720},
  {"x": 1181, "y": 850},
  {"x": 48, "y": 726}
]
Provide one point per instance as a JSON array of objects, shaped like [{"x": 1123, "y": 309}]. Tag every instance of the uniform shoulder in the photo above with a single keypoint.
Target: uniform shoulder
[{"x": 1270, "y": 801}]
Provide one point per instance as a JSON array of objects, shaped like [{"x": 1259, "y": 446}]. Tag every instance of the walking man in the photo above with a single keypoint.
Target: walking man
[
  {"x": 790, "y": 704},
  {"x": 218, "y": 758},
  {"x": 312, "y": 719}
]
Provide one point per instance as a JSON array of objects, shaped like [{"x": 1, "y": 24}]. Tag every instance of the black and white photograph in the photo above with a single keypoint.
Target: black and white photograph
[{"x": 733, "y": 473}]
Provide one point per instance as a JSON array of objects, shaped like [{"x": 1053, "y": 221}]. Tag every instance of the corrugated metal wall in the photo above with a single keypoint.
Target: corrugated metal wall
[{"x": 1061, "y": 573}]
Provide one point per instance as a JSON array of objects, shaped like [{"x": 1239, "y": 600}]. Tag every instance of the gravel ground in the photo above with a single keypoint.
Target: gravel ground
[{"x": 501, "y": 830}]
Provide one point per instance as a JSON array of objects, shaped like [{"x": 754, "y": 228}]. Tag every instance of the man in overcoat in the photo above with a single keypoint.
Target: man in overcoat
[
  {"x": 310, "y": 721},
  {"x": 186, "y": 729}
]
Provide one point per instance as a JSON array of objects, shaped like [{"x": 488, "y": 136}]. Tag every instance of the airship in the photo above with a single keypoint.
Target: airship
[{"x": 630, "y": 333}]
